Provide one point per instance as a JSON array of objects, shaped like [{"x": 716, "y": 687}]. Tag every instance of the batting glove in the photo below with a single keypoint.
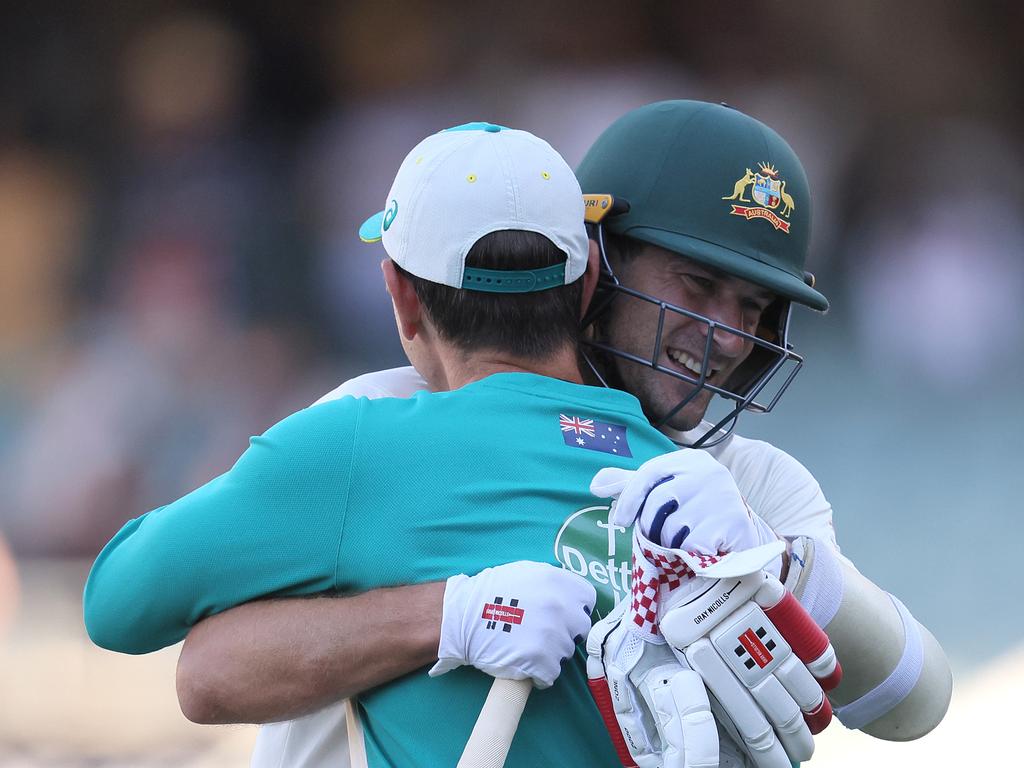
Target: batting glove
[
  {"x": 683, "y": 496},
  {"x": 656, "y": 709},
  {"x": 763, "y": 659},
  {"x": 517, "y": 621},
  {"x": 653, "y": 703}
]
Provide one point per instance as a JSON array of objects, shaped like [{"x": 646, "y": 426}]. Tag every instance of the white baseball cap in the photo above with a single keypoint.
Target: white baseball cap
[{"x": 466, "y": 182}]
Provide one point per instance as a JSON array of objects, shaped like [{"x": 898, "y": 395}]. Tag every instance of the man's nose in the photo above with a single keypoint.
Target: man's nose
[{"x": 727, "y": 343}]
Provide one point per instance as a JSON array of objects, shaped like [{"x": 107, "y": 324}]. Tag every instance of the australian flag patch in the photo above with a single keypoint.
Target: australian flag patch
[{"x": 594, "y": 435}]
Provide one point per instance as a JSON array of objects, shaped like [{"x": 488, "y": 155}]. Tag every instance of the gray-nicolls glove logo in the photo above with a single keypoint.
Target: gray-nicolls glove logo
[
  {"x": 507, "y": 615},
  {"x": 755, "y": 647}
]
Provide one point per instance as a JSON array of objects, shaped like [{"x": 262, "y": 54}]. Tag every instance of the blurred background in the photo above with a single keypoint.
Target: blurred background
[{"x": 180, "y": 187}]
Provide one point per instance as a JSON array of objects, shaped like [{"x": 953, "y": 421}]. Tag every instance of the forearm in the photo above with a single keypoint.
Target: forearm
[
  {"x": 268, "y": 526},
  {"x": 280, "y": 659},
  {"x": 896, "y": 676}
]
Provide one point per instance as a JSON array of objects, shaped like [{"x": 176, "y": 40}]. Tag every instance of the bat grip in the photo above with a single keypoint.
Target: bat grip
[{"x": 496, "y": 725}]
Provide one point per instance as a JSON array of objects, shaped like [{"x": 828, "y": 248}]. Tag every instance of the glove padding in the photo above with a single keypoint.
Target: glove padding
[
  {"x": 682, "y": 496},
  {"x": 654, "y": 705},
  {"x": 712, "y": 602},
  {"x": 517, "y": 621},
  {"x": 655, "y": 709},
  {"x": 763, "y": 659}
]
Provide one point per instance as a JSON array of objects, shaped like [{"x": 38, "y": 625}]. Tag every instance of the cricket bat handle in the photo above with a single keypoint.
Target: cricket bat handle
[{"x": 496, "y": 725}]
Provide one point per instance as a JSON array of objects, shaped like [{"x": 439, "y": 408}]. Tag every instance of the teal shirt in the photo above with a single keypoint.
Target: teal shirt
[{"x": 356, "y": 494}]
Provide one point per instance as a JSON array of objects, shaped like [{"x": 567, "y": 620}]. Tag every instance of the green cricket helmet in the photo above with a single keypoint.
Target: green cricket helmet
[{"x": 725, "y": 190}]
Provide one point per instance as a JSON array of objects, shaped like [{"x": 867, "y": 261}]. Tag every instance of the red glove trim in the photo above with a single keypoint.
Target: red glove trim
[{"x": 603, "y": 699}]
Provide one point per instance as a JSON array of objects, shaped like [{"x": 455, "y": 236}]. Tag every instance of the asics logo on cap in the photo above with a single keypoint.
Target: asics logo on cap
[{"x": 389, "y": 215}]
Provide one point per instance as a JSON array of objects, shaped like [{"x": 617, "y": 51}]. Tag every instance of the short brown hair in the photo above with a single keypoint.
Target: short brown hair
[{"x": 533, "y": 325}]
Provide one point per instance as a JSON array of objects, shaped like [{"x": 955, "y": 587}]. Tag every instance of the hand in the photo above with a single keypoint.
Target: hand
[
  {"x": 682, "y": 496},
  {"x": 517, "y": 621},
  {"x": 760, "y": 654},
  {"x": 655, "y": 708},
  {"x": 770, "y": 712}
]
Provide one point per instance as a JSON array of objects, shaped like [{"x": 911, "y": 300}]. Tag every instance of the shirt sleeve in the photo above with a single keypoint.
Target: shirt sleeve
[
  {"x": 779, "y": 489},
  {"x": 270, "y": 526}
]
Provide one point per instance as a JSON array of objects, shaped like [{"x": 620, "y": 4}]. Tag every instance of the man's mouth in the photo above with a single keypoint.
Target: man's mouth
[{"x": 689, "y": 362}]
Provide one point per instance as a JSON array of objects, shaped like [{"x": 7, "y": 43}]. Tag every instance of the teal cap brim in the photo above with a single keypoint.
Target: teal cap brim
[{"x": 371, "y": 230}]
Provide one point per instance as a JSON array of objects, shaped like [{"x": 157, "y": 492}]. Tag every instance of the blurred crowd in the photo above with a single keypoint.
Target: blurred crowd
[{"x": 180, "y": 192}]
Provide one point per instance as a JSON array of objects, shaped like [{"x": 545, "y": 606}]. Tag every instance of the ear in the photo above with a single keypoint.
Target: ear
[
  {"x": 591, "y": 276},
  {"x": 408, "y": 310}
]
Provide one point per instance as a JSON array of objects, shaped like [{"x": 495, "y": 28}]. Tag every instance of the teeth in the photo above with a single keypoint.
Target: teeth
[{"x": 689, "y": 363}]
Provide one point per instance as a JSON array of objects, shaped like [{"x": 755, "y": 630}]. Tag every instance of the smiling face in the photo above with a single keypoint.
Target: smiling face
[{"x": 633, "y": 327}]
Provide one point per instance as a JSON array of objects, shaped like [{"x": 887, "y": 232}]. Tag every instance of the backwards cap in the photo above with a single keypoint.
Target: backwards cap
[
  {"x": 465, "y": 182},
  {"x": 710, "y": 183}
]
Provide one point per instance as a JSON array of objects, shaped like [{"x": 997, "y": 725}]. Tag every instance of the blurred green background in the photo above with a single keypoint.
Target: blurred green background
[{"x": 180, "y": 187}]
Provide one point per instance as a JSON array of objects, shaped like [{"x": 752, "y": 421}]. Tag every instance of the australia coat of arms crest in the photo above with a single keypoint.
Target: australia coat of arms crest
[{"x": 768, "y": 191}]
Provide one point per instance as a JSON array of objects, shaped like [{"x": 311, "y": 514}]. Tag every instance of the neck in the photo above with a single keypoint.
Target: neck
[{"x": 459, "y": 369}]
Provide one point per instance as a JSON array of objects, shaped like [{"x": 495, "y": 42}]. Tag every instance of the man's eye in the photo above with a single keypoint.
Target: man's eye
[{"x": 701, "y": 282}]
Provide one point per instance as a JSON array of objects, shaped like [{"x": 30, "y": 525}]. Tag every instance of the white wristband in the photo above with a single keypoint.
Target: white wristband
[{"x": 823, "y": 590}]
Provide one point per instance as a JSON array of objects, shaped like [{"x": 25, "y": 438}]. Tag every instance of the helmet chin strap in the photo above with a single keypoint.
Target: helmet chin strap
[
  {"x": 712, "y": 436},
  {"x": 592, "y": 349},
  {"x": 719, "y": 431}
]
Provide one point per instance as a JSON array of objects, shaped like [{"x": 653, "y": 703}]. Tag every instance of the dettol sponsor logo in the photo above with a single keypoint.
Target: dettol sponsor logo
[{"x": 588, "y": 545}]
